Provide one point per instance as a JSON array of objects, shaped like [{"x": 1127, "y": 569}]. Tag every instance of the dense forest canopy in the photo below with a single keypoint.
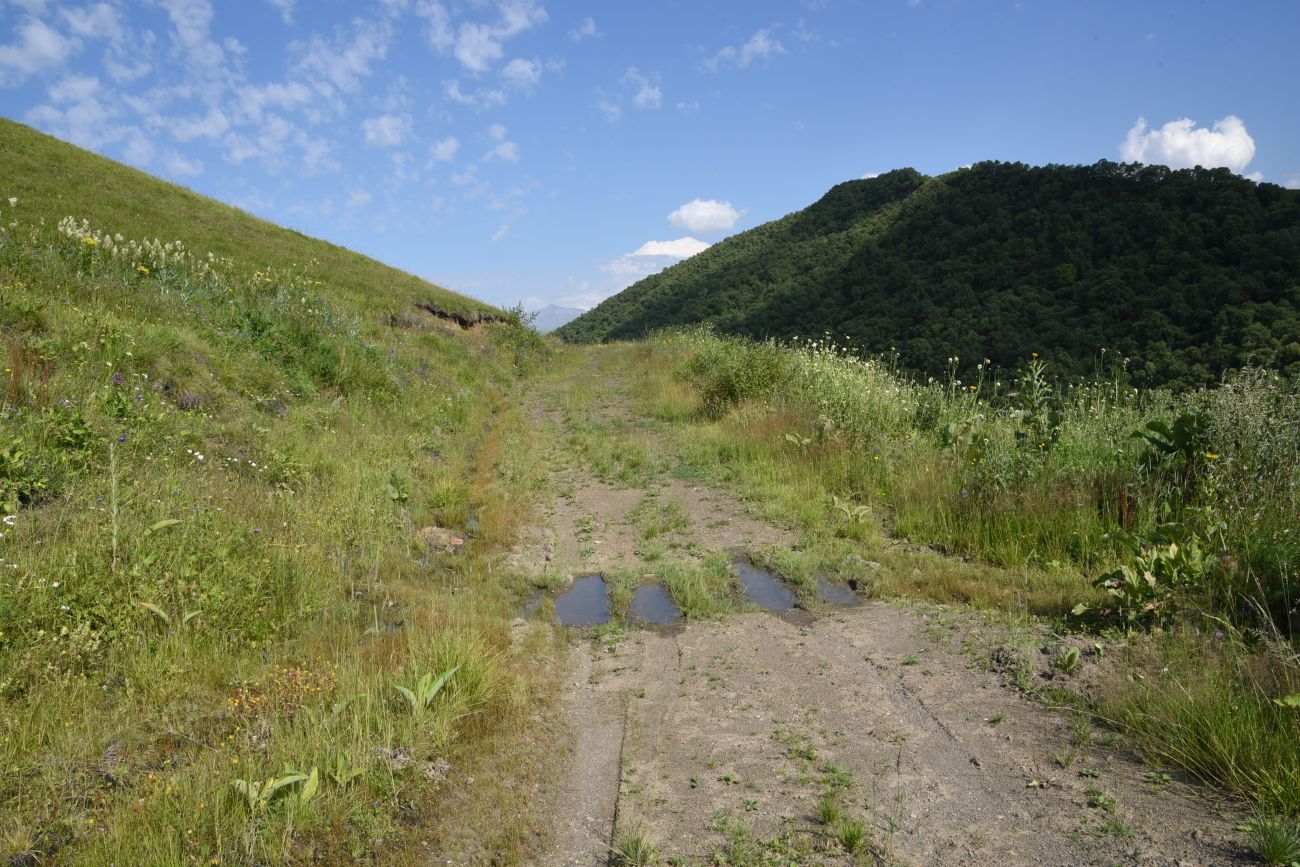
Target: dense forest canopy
[{"x": 1185, "y": 273}]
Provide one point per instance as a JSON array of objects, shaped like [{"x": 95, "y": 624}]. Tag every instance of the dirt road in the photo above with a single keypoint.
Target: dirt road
[{"x": 773, "y": 739}]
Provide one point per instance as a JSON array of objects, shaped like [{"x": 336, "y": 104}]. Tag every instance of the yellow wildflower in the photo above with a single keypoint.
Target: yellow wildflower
[
  {"x": 1211, "y": 456},
  {"x": 89, "y": 241},
  {"x": 144, "y": 272}
]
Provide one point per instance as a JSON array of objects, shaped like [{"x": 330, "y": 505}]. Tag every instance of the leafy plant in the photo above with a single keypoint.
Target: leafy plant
[
  {"x": 21, "y": 480},
  {"x": 426, "y": 689},
  {"x": 399, "y": 491},
  {"x": 855, "y": 512},
  {"x": 1067, "y": 660},
  {"x": 181, "y": 619},
  {"x": 1141, "y": 589},
  {"x": 1183, "y": 442},
  {"x": 1040, "y": 418},
  {"x": 259, "y": 795},
  {"x": 341, "y": 770}
]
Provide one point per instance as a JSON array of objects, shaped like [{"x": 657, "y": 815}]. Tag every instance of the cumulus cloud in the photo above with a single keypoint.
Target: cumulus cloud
[
  {"x": 681, "y": 248},
  {"x": 480, "y": 99},
  {"x": 704, "y": 216},
  {"x": 612, "y": 110},
  {"x": 444, "y": 150},
  {"x": 1292, "y": 183},
  {"x": 586, "y": 29},
  {"x": 757, "y": 50},
  {"x": 478, "y": 45},
  {"x": 1180, "y": 144},
  {"x": 646, "y": 94},
  {"x": 521, "y": 74},
  {"x": 38, "y": 46},
  {"x": 345, "y": 61},
  {"x": 387, "y": 130},
  {"x": 358, "y": 198},
  {"x": 506, "y": 150},
  {"x": 96, "y": 21}
]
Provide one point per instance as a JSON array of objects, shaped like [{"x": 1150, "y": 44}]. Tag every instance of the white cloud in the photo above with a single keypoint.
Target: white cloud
[
  {"x": 213, "y": 124},
  {"x": 521, "y": 74},
  {"x": 74, "y": 88},
  {"x": 1180, "y": 144},
  {"x": 478, "y": 45},
  {"x": 444, "y": 150},
  {"x": 586, "y": 29},
  {"x": 611, "y": 110},
  {"x": 681, "y": 248},
  {"x": 179, "y": 165},
  {"x": 38, "y": 47},
  {"x": 506, "y": 150},
  {"x": 286, "y": 9},
  {"x": 647, "y": 95},
  {"x": 345, "y": 61},
  {"x": 704, "y": 216},
  {"x": 500, "y": 234},
  {"x": 496, "y": 132},
  {"x": 1257, "y": 177},
  {"x": 478, "y": 99},
  {"x": 358, "y": 198},
  {"x": 689, "y": 107},
  {"x": 758, "y": 50},
  {"x": 869, "y": 175},
  {"x": 387, "y": 130},
  {"x": 1292, "y": 183},
  {"x": 96, "y": 21}
]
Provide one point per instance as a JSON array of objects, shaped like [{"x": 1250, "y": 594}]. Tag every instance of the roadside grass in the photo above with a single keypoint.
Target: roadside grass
[
  {"x": 1039, "y": 506},
  {"x": 213, "y": 472}
]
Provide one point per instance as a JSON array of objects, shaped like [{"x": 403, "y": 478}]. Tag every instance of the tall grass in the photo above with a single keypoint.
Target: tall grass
[
  {"x": 1016, "y": 469},
  {"x": 1067, "y": 486},
  {"x": 211, "y": 478}
]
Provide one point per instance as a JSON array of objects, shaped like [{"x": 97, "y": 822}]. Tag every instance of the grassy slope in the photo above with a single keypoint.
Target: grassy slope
[
  {"x": 212, "y": 569},
  {"x": 54, "y": 180}
]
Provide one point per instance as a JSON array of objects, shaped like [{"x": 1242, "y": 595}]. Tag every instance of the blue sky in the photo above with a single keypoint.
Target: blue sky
[{"x": 555, "y": 152}]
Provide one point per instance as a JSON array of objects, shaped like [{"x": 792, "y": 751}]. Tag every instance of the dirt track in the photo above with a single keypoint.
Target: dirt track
[{"x": 719, "y": 739}]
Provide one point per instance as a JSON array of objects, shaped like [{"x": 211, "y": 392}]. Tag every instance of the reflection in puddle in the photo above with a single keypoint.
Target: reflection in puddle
[
  {"x": 532, "y": 602},
  {"x": 835, "y": 593},
  {"x": 651, "y": 604},
  {"x": 763, "y": 589},
  {"x": 585, "y": 604}
]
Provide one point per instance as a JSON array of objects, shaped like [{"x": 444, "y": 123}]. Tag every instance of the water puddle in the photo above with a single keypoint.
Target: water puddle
[
  {"x": 652, "y": 604},
  {"x": 763, "y": 588},
  {"x": 585, "y": 604},
  {"x": 835, "y": 593}
]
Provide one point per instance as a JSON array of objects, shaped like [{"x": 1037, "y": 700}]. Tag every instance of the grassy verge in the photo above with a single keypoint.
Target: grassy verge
[
  {"x": 223, "y": 635},
  {"x": 1049, "y": 497}
]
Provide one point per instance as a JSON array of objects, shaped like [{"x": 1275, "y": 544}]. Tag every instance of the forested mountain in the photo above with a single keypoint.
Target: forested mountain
[{"x": 1186, "y": 273}]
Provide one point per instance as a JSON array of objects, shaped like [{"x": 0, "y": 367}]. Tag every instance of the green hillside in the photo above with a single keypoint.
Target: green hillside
[
  {"x": 1185, "y": 273},
  {"x": 234, "y": 464}
]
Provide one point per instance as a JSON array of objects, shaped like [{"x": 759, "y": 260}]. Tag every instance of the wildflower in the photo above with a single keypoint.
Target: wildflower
[
  {"x": 1034, "y": 354},
  {"x": 88, "y": 241},
  {"x": 142, "y": 270},
  {"x": 13, "y": 200},
  {"x": 1211, "y": 456},
  {"x": 9, "y": 520}
]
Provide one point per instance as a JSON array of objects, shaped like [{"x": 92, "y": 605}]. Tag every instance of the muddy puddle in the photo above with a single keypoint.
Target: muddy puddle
[
  {"x": 763, "y": 588},
  {"x": 652, "y": 604},
  {"x": 835, "y": 593},
  {"x": 584, "y": 604}
]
